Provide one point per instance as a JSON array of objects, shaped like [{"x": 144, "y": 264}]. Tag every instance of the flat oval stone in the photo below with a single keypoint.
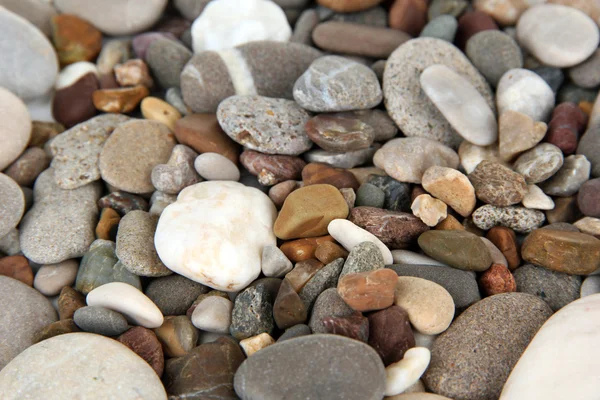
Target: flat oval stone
[
  {"x": 408, "y": 105},
  {"x": 306, "y": 361},
  {"x": 526, "y": 92},
  {"x": 473, "y": 341},
  {"x": 66, "y": 366},
  {"x": 541, "y": 30},
  {"x": 26, "y": 53},
  {"x": 493, "y": 53},
  {"x": 339, "y": 133},
  {"x": 272, "y": 126},
  {"x": 51, "y": 278},
  {"x": 459, "y": 249},
  {"x": 549, "y": 356},
  {"x": 461, "y": 104},
  {"x": 407, "y": 159},
  {"x": 539, "y": 163},
  {"x": 569, "y": 252},
  {"x": 240, "y": 227},
  {"x": 13, "y": 204},
  {"x": 334, "y": 83},
  {"x": 100, "y": 320},
  {"x": 216, "y": 167},
  {"x": 271, "y": 169}
]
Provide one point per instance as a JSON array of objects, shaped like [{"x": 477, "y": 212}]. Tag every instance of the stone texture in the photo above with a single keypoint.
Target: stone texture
[
  {"x": 452, "y": 187},
  {"x": 245, "y": 324},
  {"x": 328, "y": 304},
  {"x": 368, "y": 291},
  {"x": 25, "y": 169},
  {"x": 145, "y": 344},
  {"x": 288, "y": 309},
  {"x": 174, "y": 294},
  {"x": 324, "y": 278},
  {"x": 459, "y": 249},
  {"x": 497, "y": 185},
  {"x": 100, "y": 320},
  {"x": 506, "y": 241},
  {"x": 526, "y": 92},
  {"x": 390, "y": 333},
  {"x": 566, "y": 182},
  {"x": 519, "y": 219},
  {"x": 496, "y": 280},
  {"x": 539, "y": 163},
  {"x": 355, "y": 326},
  {"x": 555, "y": 288},
  {"x": 506, "y": 54},
  {"x": 340, "y": 132},
  {"x": 315, "y": 173},
  {"x": 271, "y": 169},
  {"x": 69, "y": 301},
  {"x": 13, "y": 204},
  {"x": 177, "y": 336},
  {"x": 518, "y": 133},
  {"x": 349, "y": 235},
  {"x": 430, "y": 210},
  {"x": 51, "y": 278}
]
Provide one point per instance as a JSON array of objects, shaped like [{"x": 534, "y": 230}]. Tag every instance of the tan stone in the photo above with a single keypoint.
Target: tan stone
[
  {"x": 368, "y": 291},
  {"x": 159, "y": 110},
  {"x": 518, "y": 133},
  {"x": 303, "y": 272},
  {"x": 452, "y": 187},
  {"x": 303, "y": 249},
  {"x": 329, "y": 251},
  {"x": 108, "y": 224},
  {"x": 122, "y": 100},
  {"x": 450, "y": 224},
  {"x": 431, "y": 211},
  {"x": 256, "y": 343},
  {"x": 307, "y": 211}
]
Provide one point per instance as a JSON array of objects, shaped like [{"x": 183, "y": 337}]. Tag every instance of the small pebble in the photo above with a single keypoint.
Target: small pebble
[
  {"x": 166, "y": 59},
  {"x": 498, "y": 279},
  {"x": 441, "y": 27},
  {"x": 452, "y": 187},
  {"x": 177, "y": 335},
  {"x": 471, "y": 155},
  {"x": 349, "y": 235},
  {"x": 493, "y": 64},
  {"x": 178, "y": 173},
  {"x": 518, "y": 133},
  {"x": 120, "y": 100},
  {"x": 390, "y": 333},
  {"x": 340, "y": 133},
  {"x": 555, "y": 288},
  {"x": 144, "y": 343},
  {"x": 458, "y": 249},
  {"x": 215, "y": 167},
  {"x": 430, "y": 210},
  {"x": 535, "y": 198},
  {"x": 271, "y": 169},
  {"x": 574, "y": 172},
  {"x": 253, "y": 344},
  {"x": 590, "y": 286},
  {"x": 588, "y": 225},
  {"x": 406, "y": 372},
  {"x": 497, "y": 185},
  {"x": 100, "y": 320},
  {"x": 213, "y": 314},
  {"x": 539, "y": 163},
  {"x": 51, "y": 278},
  {"x": 526, "y": 92},
  {"x": 17, "y": 267},
  {"x": 567, "y": 124}
]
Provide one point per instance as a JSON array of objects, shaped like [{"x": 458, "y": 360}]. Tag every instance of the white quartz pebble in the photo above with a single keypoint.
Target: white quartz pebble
[
  {"x": 536, "y": 198},
  {"x": 406, "y": 372},
  {"x": 410, "y": 257},
  {"x": 213, "y": 314},
  {"x": 215, "y": 167},
  {"x": 350, "y": 235},
  {"x": 431, "y": 211},
  {"x": 526, "y": 92}
]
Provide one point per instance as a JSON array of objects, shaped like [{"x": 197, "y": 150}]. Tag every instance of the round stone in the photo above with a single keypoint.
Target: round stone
[
  {"x": 115, "y": 17},
  {"x": 51, "y": 278},
  {"x": 29, "y": 64},
  {"x": 539, "y": 163},
  {"x": 67, "y": 367},
  {"x": 132, "y": 151},
  {"x": 542, "y": 31},
  {"x": 174, "y": 295},
  {"x": 15, "y": 130},
  {"x": 574, "y": 172},
  {"x": 493, "y": 53},
  {"x": 526, "y": 92},
  {"x": 12, "y": 206},
  {"x": 215, "y": 167},
  {"x": 408, "y": 105}
]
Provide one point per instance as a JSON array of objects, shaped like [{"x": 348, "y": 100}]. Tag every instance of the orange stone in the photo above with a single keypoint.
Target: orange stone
[
  {"x": 17, "y": 267},
  {"x": 409, "y": 16},
  {"x": 303, "y": 272},
  {"x": 108, "y": 224},
  {"x": 328, "y": 252},
  {"x": 496, "y": 280},
  {"x": 122, "y": 100},
  {"x": 203, "y": 133},
  {"x": 368, "y": 291},
  {"x": 315, "y": 173},
  {"x": 69, "y": 301},
  {"x": 449, "y": 224},
  {"x": 505, "y": 240},
  {"x": 75, "y": 39},
  {"x": 303, "y": 249}
]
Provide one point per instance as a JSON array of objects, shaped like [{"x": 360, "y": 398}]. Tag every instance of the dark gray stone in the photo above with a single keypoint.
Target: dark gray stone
[
  {"x": 325, "y": 278},
  {"x": 555, "y": 288},
  {"x": 328, "y": 304},
  {"x": 572, "y": 93},
  {"x": 397, "y": 194},
  {"x": 100, "y": 320},
  {"x": 252, "y": 313},
  {"x": 174, "y": 294},
  {"x": 493, "y": 53},
  {"x": 554, "y": 77},
  {"x": 294, "y": 331},
  {"x": 369, "y": 195},
  {"x": 364, "y": 257},
  {"x": 312, "y": 367},
  {"x": 375, "y": 16}
]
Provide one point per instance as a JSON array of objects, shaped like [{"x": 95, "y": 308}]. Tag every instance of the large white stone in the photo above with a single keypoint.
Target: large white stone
[
  {"x": 557, "y": 35},
  {"x": 228, "y": 23},
  {"x": 461, "y": 104},
  {"x": 215, "y": 232},
  {"x": 526, "y": 92},
  {"x": 350, "y": 235},
  {"x": 563, "y": 359}
]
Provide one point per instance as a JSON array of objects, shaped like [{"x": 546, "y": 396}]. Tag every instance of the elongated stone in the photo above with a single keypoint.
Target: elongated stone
[{"x": 459, "y": 249}]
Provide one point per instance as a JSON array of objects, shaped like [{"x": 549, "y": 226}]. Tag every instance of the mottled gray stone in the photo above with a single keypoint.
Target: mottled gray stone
[
  {"x": 363, "y": 257},
  {"x": 555, "y": 288},
  {"x": 174, "y": 294},
  {"x": 100, "y": 320},
  {"x": 252, "y": 313},
  {"x": 328, "y": 304},
  {"x": 325, "y": 278}
]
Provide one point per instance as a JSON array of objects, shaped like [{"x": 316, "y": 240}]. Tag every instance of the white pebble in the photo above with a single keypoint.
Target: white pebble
[
  {"x": 73, "y": 72},
  {"x": 410, "y": 257},
  {"x": 350, "y": 235},
  {"x": 129, "y": 301},
  {"x": 536, "y": 198},
  {"x": 589, "y": 225},
  {"x": 430, "y": 210},
  {"x": 274, "y": 263},
  {"x": 215, "y": 167},
  {"x": 526, "y": 92},
  {"x": 213, "y": 314},
  {"x": 406, "y": 372}
]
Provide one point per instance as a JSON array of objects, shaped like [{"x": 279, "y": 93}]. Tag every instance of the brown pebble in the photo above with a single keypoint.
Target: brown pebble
[
  {"x": 25, "y": 169},
  {"x": 471, "y": 23},
  {"x": 496, "y": 280},
  {"x": 108, "y": 81},
  {"x": 368, "y": 291},
  {"x": 133, "y": 73},
  {"x": 327, "y": 252},
  {"x": 271, "y": 168},
  {"x": 303, "y": 249},
  {"x": 108, "y": 224},
  {"x": 69, "y": 301},
  {"x": 449, "y": 224},
  {"x": 177, "y": 335},
  {"x": 288, "y": 309},
  {"x": 565, "y": 210},
  {"x": 42, "y": 131},
  {"x": 355, "y": 326},
  {"x": 17, "y": 267},
  {"x": 505, "y": 240},
  {"x": 303, "y": 271},
  {"x": 409, "y": 16},
  {"x": 121, "y": 100},
  {"x": 567, "y": 124},
  {"x": 279, "y": 192},
  {"x": 56, "y": 328},
  {"x": 145, "y": 344},
  {"x": 390, "y": 333},
  {"x": 315, "y": 173},
  {"x": 75, "y": 39},
  {"x": 416, "y": 191},
  {"x": 73, "y": 104}
]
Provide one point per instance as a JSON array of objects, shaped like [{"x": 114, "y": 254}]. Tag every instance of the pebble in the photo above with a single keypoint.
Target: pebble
[
  {"x": 349, "y": 235},
  {"x": 261, "y": 374},
  {"x": 417, "y": 155},
  {"x": 145, "y": 344},
  {"x": 74, "y": 91},
  {"x": 368, "y": 291},
  {"x": 430, "y": 210},
  {"x": 348, "y": 159},
  {"x": 589, "y": 148},
  {"x": 123, "y": 202},
  {"x": 334, "y": 83},
  {"x": 303, "y": 272},
  {"x": 31, "y": 55},
  {"x": 100, "y": 320},
  {"x": 412, "y": 258},
  {"x": 555, "y": 288},
  {"x": 133, "y": 73},
  {"x": 548, "y": 43},
  {"x": 408, "y": 16},
  {"x": 408, "y": 105},
  {"x": 272, "y": 169},
  {"x": 364, "y": 257},
  {"x": 473, "y": 341},
  {"x": 9, "y": 243},
  {"x": 36, "y": 12},
  {"x": 589, "y": 225},
  {"x": 289, "y": 309},
  {"x": 355, "y": 326},
  {"x": 567, "y": 124},
  {"x": 450, "y": 186},
  {"x": 314, "y": 173},
  {"x": 390, "y": 333},
  {"x": 493, "y": 64},
  {"x": 60, "y": 367},
  {"x": 340, "y": 133},
  {"x": 519, "y": 219},
  {"x": 374, "y": 16},
  {"x": 496, "y": 280},
  {"x": 590, "y": 286},
  {"x": 216, "y": 167},
  {"x": 518, "y": 133},
  {"x": 539, "y": 163},
  {"x": 203, "y": 133},
  {"x": 256, "y": 343},
  {"x": 178, "y": 173},
  {"x": 174, "y": 97},
  {"x": 451, "y": 93},
  {"x": 127, "y": 300},
  {"x": 213, "y": 314},
  {"x": 69, "y": 301},
  {"x": 55, "y": 329},
  {"x": 535, "y": 198},
  {"x": 274, "y": 263},
  {"x": 13, "y": 204},
  {"x": 577, "y": 253},
  {"x": 303, "y": 249},
  {"x": 276, "y": 125},
  {"x": 206, "y": 80},
  {"x": 574, "y": 172},
  {"x": 51, "y": 278},
  {"x": 24, "y": 312},
  {"x": 166, "y": 59},
  {"x": 155, "y": 109},
  {"x": 358, "y": 39},
  {"x": 16, "y": 129},
  {"x": 442, "y": 27},
  {"x": 17, "y": 267},
  {"x": 406, "y": 372},
  {"x": 395, "y": 229},
  {"x": 132, "y": 151},
  {"x": 526, "y": 92},
  {"x": 471, "y": 23},
  {"x": 577, "y": 321},
  {"x": 159, "y": 201},
  {"x": 328, "y": 304},
  {"x": 25, "y": 169},
  {"x": 246, "y": 324},
  {"x": 174, "y": 294},
  {"x": 347, "y": 6},
  {"x": 497, "y": 185},
  {"x": 75, "y": 39},
  {"x": 584, "y": 74},
  {"x": 430, "y": 307},
  {"x": 115, "y": 19},
  {"x": 77, "y": 150},
  {"x": 471, "y": 155},
  {"x": 370, "y": 196},
  {"x": 328, "y": 252},
  {"x": 458, "y": 249},
  {"x": 177, "y": 335},
  {"x": 61, "y": 223},
  {"x": 565, "y": 210}
]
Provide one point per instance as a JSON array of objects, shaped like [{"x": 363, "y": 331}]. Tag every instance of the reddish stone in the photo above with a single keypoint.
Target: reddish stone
[
  {"x": 272, "y": 169},
  {"x": 173, "y": 25},
  {"x": 145, "y": 344},
  {"x": 328, "y": 252},
  {"x": 505, "y": 240},
  {"x": 281, "y": 191},
  {"x": 390, "y": 334},
  {"x": 588, "y": 198},
  {"x": 17, "y": 267},
  {"x": 568, "y": 122},
  {"x": 496, "y": 280},
  {"x": 471, "y": 23},
  {"x": 368, "y": 291},
  {"x": 355, "y": 326},
  {"x": 288, "y": 309},
  {"x": 73, "y": 104},
  {"x": 303, "y": 249},
  {"x": 75, "y": 39},
  {"x": 315, "y": 173},
  {"x": 409, "y": 16},
  {"x": 69, "y": 301}
]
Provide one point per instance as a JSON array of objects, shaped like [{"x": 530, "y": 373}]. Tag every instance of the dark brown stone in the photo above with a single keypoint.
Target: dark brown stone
[
  {"x": 567, "y": 123},
  {"x": 289, "y": 309},
  {"x": 42, "y": 131},
  {"x": 339, "y": 132},
  {"x": 471, "y": 23},
  {"x": 390, "y": 333},
  {"x": 272, "y": 169},
  {"x": 505, "y": 240},
  {"x": 409, "y": 16},
  {"x": 17, "y": 267},
  {"x": 123, "y": 202},
  {"x": 396, "y": 229},
  {"x": 69, "y": 301},
  {"x": 328, "y": 251},
  {"x": 121, "y": 100},
  {"x": 73, "y": 104},
  {"x": 146, "y": 345},
  {"x": 355, "y": 326},
  {"x": 56, "y": 328},
  {"x": 565, "y": 210},
  {"x": 315, "y": 173},
  {"x": 177, "y": 335}
]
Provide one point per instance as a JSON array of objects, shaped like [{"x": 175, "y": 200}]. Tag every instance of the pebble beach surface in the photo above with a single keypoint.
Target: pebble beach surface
[{"x": 299, "y": 199}]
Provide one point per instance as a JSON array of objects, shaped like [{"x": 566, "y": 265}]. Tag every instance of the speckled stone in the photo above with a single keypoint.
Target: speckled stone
[
  {"x": 245, "y": 324},
  {"x": 519, "y": 219},
  {"x": 328, "y": 304},
  {"x": 100, "y": 320},
  {"x": 555, "y": 288},
  {"x": 173, "y": 295},
  {"x": 497, "y": 185}
]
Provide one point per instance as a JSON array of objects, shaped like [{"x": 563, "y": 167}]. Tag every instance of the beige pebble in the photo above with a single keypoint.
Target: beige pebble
[
  {"x": 497, "y": 256},
  {"x": 406, "y": 372},
  {"x": 471, "y": 155},
  {"x": 51, "y": 278},
  {"x": 589, "y": 225},
  {"x": 431, "y": 211},
  {"x": 215, "y": 167},
  {"x": 536, "y": 199},
  {"x": 430, "y": 307},
  {"x": 129, "y": 301},
  {"x": 213, "y": 314},
  {"x": 518, "y": 133},
  {"x": 256, "y": 343},
  {"x": 452, "y": 187},
  {"x": 158, "y": 110}
]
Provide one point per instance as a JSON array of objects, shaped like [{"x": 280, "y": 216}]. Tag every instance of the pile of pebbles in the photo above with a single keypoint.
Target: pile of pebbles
[{"x": 295, "y": 199}]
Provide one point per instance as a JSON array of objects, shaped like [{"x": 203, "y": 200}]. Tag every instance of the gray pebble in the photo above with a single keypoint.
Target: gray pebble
[
  {"x": 540, "y": 163},
  {"x": 570, "y": 92},
  {"x": 328, "y": 304},
  {"x": 159, "y": 201},
  {"x": 173, "y": 295},
  {"x": 252, "y": 313},
  {"x": 555, "y": 288},
  {"x": 190, "y": 9},
  {"x": 442, "y": 27},
  {"x": 363, "y": 257},
  {"x": 590, "y": 286},
  {"x": 304, "y": 27},
  {"x": 519, "y": 219},
  {"x": 589, "y": 146},
  {"x": 173, "y": 97},
  {"x": 9, "y": 243},
  {"x": 370, "y": 195},
  {"x": 325, "y": 278},
  {"x": 178, "y": 173},
  {"x": 347, "y": 159},
  {"x": 274, "y": 263},
  {"x": 378, "y": 67},
  {"x": 25, "y": 169},
  {"x": 100, "y": 320},
  {"x": 587, "y": 74},
  {"x": 554, "y": 77},
  {"x": 12, "y": 205},
  {"x": 397, "y": 194},
  {"x": 166, "y": 59},
  {"x": 374, "y": 16},
  {"x": 574, "y": 172},
  {"x": 294, "y": 331},
  {"x": 493, "y": 53}
]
